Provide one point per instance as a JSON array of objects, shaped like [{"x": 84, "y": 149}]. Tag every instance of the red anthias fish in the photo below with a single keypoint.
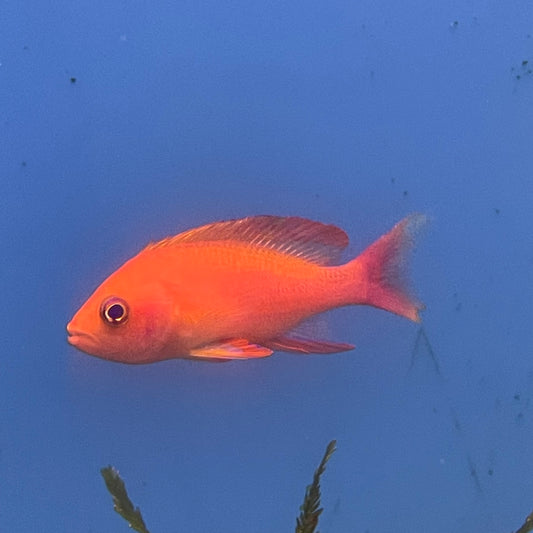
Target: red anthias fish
[{"x": 239, "y": 289}]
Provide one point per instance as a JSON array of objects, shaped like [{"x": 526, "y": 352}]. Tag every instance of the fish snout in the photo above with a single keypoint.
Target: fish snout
[
  {"x": 72, "y": 334},
  {"x": 75, "y": 336}
]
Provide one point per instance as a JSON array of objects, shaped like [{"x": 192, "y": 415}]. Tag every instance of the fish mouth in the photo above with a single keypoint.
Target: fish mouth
[{"x": 78, "y": 338}]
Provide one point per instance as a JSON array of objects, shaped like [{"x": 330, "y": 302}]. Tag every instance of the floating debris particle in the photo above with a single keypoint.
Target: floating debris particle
[
  {"x": 520, "y": 72},
  {"x": 473, "y": 473}
]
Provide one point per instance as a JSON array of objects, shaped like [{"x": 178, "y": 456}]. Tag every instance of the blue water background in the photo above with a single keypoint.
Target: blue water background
[{"x": 125, "y": 122}]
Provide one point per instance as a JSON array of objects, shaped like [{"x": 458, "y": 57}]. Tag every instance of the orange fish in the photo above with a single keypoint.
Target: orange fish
[{"x": 239, "y": 289}]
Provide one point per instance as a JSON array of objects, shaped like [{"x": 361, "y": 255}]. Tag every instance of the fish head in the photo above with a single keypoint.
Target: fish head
[{"x": 126, "y": 320}]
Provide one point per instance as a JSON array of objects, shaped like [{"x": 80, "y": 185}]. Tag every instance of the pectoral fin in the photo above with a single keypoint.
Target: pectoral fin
[{"x": 231, "y": 349}]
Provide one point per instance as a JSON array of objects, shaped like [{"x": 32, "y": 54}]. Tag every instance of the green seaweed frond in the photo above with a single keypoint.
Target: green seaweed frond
[
  {"x": 310, "y": 510},
  {"x": 121, "y": 501},
  {"x": 527, "y": 525}
]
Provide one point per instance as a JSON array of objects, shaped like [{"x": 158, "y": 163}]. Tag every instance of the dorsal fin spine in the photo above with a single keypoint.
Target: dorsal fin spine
[{"x": 312, "y": 241}]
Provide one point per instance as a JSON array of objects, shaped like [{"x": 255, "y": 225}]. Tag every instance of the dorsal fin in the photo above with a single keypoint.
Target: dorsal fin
[{"x": 313, "y": 241}]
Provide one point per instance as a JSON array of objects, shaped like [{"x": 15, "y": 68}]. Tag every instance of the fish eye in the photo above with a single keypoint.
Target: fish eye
[{"x": 114, "y": 311}]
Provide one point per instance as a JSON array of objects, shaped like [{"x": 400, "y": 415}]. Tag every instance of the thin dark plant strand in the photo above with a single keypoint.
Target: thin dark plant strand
[
  {"x": 527, "y": 525},
  {"x": 121, "y": 502},
  {"x": 310, "y": 510}
]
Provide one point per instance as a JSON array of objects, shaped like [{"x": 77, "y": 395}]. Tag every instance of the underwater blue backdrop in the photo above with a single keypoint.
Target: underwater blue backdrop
[{"x": 124, "y": 122}]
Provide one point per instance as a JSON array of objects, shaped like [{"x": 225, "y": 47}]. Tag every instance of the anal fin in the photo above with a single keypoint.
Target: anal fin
[
  {"x": 303, "y": 345},
  {"x": 231, "y": 349}
]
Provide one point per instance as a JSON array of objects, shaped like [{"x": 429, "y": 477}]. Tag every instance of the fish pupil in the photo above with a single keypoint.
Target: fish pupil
[{"x": 114, "y": 311}]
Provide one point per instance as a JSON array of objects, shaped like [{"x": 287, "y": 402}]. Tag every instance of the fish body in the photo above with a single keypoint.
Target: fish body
[{"x": 237, "y": 290}]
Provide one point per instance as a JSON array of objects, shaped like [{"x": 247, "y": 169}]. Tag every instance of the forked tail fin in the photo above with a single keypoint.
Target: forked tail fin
[{"x": 381, "y": 267}]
